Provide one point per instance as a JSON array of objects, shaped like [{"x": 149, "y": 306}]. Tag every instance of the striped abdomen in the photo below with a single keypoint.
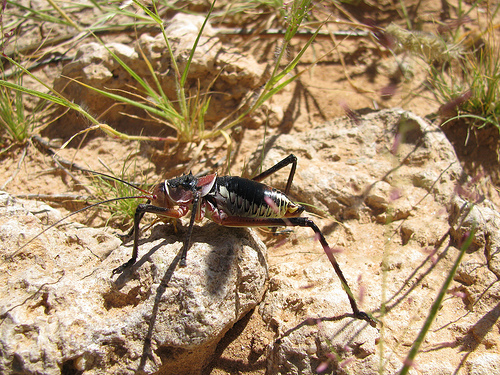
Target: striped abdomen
[{"x": 237, "y": 196}]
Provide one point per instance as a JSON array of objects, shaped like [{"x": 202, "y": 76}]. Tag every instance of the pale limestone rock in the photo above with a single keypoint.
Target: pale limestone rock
[
  {"x": 395, "y": 215},
  {"x": 62, "y": 309}
]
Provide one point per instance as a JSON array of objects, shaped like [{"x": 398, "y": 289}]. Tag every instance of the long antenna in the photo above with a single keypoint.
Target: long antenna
[
  {"x": 78, "y": 211},
  {"x": 108, "y": 177}
]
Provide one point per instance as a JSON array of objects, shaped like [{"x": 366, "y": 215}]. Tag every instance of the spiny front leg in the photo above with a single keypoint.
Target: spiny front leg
[
  {"x": 139, "y": 213},
  {"x": 187, "y": 241}
]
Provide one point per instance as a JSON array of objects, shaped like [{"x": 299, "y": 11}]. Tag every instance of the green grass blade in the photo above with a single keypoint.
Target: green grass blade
[
  {"x": 436, "y": 306},
  {"x": 54, "y": 99},
  {"x": 149, "y": 13},
  {"x": 34, "y": 14},
  {"x": 159, "y": 111},
  {"x": 267, "y": 95},
  {"x": 129, "y": 70},
  {"x": 193, "y": 49}
]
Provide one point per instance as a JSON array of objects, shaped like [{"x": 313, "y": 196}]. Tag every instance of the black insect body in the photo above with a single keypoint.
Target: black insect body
[
  {"x": 227, "y": 200},
  {"x": 239, "y": 197},
  {"x": 235, "y": 202}
]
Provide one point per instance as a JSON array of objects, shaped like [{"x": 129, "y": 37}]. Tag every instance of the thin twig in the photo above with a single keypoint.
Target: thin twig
[
  {"x": 62, "y": 163},
  {"x": 44, "y": 146},
  {"x": 279, "y": 32},
  {"x": 31, "y": 296},
  {"x": 54, "y": 197},
  {"x": 78, "y": 182},
  {"x": 17, "y": 169}
]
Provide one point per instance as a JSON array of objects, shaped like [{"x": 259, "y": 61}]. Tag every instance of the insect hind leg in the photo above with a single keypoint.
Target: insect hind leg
[
  {"x": 290, "y": 159},
  {"x": 304, "y": 222}
]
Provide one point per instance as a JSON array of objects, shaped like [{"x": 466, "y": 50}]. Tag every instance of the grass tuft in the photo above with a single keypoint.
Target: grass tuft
[{"x": 467, "y": 88}]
